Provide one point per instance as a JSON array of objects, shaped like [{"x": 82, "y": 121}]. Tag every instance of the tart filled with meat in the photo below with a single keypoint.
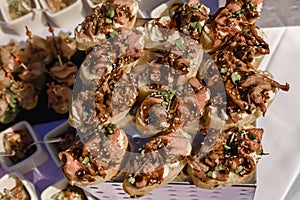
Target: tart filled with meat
[
  {"x": 106, "y": 21},
  {"x": 180, "y": 52},
  {"x": 64, "y": 44},
  {"x": 37, "y": 49},
  {"x": 59, "y": 98},
  {"x": 228, "y": 21},
  {"x": 230, "y": 160},
  {"x": 172, "y": 108},
  {"x": 96, "y": 157},
  {"x": 190, "y": 18},
  {"x": 158, "y": 112},
  {"x": 64, "y": 73},
  {"x": 122, "y": 51},
  {"x": 82, "y": 112},
  {"x": 114, "y": 96},
  {"x": 245, "y": 50},
  {"x": 157, "y": 163},
  {"x": 248, "y": 96},
  {"x": 6, "y": 51},
  {"x": 26, "y": 93}
]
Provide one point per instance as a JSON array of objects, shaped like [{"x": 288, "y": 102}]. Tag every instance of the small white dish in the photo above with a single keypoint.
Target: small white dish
[
  {"x": 35, "y": 19},
  {"x": 38, "y": 157},
  {"x": 67, "y": 16},
  {"x": 57, "y": 132},
  {"x": 10, "y": 181},
  {"x": 58, "y": 187}
]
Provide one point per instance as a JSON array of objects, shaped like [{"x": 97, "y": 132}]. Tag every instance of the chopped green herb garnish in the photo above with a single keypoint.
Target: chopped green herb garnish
[
  {"x": 253, "y": 136},
  {"x": 219, "y": 168},
  {"x": 212, "y": 174},
  {"x": 168, "y": 160},
  {"x": 171, "y": 12},
  {"x": 250, "y": 5},
  {"x": 196, "y": 25},
  {"x": 110, "y": 12},
  {"x": 238, "y": 169},
  {"x": 171, "y": 111},
  {"x": 180, "y": 88},
  {"x": 259, "y": 152},
  {"x": 113, "y": 33},
  {"x": 108, "y": 21},
  {"x": 142, "y": 152},
  {"x": 226, "y": 147},
  {"x": 164, "y": 105},
  {"x": 235, "y": 77},
  {"x": 131, "y": 180},
  {"x": 223, "y": 70},
  {"x": 85, "y": 115},
  {"x": 100, "y": 127},
  {"x": 195, "y": 7},
  {"x": 86, "y": 160},
  {"x": 179, "y": 44}
]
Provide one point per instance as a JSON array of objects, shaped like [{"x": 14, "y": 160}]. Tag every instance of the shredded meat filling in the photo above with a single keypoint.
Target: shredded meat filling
[
  {"x": 92, "y": 155},
  {"x": 231, "y": 154},
  {"x": 252, "y": 91},
  {"x": 231, "y": 19}
]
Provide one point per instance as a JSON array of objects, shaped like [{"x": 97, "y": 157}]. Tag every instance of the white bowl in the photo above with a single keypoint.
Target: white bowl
[
  {"x": 26, "y": 165},
  {"x": 34, "y": 19},
  {"x": 55, "y": 133},
  {"x": 9, "y": 181},
  {"x": 71, "y": 15},
  {"x": 56, "y": 188}
]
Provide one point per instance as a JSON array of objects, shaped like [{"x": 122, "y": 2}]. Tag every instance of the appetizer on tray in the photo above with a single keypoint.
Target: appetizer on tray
[{"x": 148, "y": 91}]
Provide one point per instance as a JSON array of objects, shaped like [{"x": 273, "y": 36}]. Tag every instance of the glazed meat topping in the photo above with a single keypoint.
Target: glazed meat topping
[
  {"x": 231, "y": 19},
  {"x": 148, "y": 167},
  {"x": 232, "y": 153},
  {"x": 92, "y": 154},
  {"x": 189, "y": 18},
  {"x": 245, "y": 93},
  {"x": 104, "y": 17},
  {"x": 111, "y": 93}
]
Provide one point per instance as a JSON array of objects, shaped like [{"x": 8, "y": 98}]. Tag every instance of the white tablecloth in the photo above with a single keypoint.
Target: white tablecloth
[{"x": 279, "y": 172}]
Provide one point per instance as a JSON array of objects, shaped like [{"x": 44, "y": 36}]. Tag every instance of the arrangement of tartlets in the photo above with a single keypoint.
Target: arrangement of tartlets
[
  {"x": 182, "y": 75},
  {"x": 145, "y": 92},
  {"x": 44, "y": 63}
]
